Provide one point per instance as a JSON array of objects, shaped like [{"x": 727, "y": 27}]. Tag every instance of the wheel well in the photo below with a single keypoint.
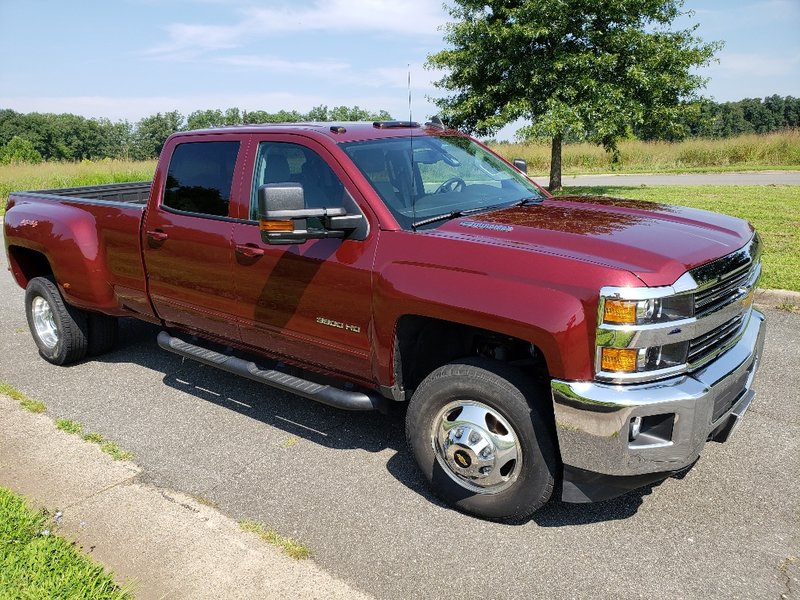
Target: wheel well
[
  {"x": 423, "y": 344},
  {"x": 27, "y": 264}
]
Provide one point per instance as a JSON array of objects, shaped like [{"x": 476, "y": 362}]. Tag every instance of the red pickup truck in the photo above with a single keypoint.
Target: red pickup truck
[{"x": 594, "y": 343}]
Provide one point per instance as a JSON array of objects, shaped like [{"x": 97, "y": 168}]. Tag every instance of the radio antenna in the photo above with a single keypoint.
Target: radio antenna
[
  {"x": 412, "y": 183},
  {"x": 409, "y": 92}
]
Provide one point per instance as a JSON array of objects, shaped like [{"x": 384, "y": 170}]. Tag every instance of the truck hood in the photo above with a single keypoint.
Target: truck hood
[{"x": 656, "y": 242}]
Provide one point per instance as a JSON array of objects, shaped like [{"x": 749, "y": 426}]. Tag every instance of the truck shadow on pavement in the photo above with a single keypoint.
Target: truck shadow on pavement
[
  {"x": 553, "y": 514},
  {"x": 318, "y": 423},
  {"x": 329, "y": 427}
]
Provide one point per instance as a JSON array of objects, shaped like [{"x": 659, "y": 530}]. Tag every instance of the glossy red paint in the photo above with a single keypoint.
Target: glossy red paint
[
  {"x": 308, "y": 303},
  {"x": 548, "y": 300},
  {"x": 334, "y": 305},
  {"x": 188, "y": 257},
  {"x": 636, "y": 236},
  {"x": 94, "y": 248}
]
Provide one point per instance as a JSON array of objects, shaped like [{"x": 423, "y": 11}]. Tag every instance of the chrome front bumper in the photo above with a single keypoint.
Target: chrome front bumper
[{"x": 680, "y": 414}]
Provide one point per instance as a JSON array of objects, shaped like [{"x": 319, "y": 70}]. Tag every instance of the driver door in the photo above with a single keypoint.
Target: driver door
[{"x": 310, "y": 302}]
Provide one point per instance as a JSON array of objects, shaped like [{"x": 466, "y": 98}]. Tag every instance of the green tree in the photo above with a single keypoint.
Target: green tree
[
  {"x": 233, "y": 116},
  {"x": 151, "y": 133},
  {"x": 776, "y": 105},
  {"x": 318, "y": 114},
  {"x": 282, "y": 116},
  {"x": 117, "y": 138},
  {"x": 356, "y": 113},
  {"x": 730, "y": 121},
  {"x": 757, "y": 115},
  {"x": 19, "y": 150},
  {"x": 204, "y": 119},
  {"x": 595, "y": 68},
  {"x": 791, "y": 111}
]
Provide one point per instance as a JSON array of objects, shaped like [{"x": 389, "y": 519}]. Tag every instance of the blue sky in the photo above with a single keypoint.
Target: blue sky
[{"x": 125, "y": 59}]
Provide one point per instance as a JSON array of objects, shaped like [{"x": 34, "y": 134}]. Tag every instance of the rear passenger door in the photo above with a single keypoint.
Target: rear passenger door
[{"x": 187, "y": 236}]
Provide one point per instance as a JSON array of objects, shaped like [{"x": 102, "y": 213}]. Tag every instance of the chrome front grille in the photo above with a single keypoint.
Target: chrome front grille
[
  {"x": 705, "y": 345},
  {"x": 721, "y": 294},
  {"x": 724, "y": 282}
]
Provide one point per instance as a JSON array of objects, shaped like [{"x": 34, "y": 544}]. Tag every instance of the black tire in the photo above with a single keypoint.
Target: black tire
[
  {"x": 103, "y": 334},
  {"x": 503, "y": 397},
  {"x": 59, "y": 330}
]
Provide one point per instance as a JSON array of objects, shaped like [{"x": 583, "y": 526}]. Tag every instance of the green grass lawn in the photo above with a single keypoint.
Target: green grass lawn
[
  {"x": 36, "y": 563},
  {"x": 774, "y": 210}
]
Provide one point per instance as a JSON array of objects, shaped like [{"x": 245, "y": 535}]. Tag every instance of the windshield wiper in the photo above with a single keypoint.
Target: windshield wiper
[
  {"x": 442, "y": 217},
  {"x": 530, "y": 200},
  {"x": 453, "y": 214}
]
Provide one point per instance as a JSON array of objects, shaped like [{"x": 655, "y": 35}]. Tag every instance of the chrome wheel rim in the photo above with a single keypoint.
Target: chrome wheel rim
[
  {"x": 476, "y": 446},
  {"x": 44, "y": 323}
]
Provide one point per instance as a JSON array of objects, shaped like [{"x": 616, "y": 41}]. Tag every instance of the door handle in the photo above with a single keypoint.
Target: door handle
[
  {"x": 249, "y": 250},
  {"x": 157, "y": 235}
]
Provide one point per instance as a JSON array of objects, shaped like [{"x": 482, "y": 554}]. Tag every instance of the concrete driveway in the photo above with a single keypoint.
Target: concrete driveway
[{"x": 346, "y": 486}]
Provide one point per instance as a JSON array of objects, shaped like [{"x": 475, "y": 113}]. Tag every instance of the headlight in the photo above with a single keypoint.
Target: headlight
[
  {"x": 634, "y": 340},
  {"x": 637, "y": 360},
  {"x": 650, "y": 310}
]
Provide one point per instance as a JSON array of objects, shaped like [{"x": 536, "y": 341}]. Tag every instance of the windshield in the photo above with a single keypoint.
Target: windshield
[{"x": 423, "y": 177}]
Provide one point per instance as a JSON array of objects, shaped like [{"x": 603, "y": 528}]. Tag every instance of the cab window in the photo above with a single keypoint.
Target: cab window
[
  {"x": 282, "y": 162},
  {"x": 200, "y": 176}
]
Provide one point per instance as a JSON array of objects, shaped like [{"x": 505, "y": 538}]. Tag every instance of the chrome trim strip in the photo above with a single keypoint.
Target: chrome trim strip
[
  {"x": 722, "y": 268},
  {"x": 638, "y": 376},
  {"x": 685, "y": 283}
]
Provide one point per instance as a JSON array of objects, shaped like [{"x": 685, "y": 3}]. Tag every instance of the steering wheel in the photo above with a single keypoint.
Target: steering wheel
[{"x": 451, "y": 185}]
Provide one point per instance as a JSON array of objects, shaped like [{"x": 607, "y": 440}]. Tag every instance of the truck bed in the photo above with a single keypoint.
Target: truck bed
[
  {"x": 90, "y": 237},
  {"x": 129, "y": 193}
]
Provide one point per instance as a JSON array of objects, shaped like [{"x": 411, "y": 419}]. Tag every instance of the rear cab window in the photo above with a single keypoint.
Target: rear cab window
[{"x": 200, "y": 176}]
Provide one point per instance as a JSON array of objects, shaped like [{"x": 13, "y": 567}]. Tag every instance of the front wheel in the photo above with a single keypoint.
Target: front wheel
[
  {"x": 59, "y": 330},
  {"x": 475, "y": 430}
]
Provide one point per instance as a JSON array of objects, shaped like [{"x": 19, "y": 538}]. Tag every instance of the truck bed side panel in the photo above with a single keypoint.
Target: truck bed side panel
[{"x": 93, "y": 248}]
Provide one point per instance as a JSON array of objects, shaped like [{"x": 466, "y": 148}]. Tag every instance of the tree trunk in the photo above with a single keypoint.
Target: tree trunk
[{"x": 555, "y": 165}]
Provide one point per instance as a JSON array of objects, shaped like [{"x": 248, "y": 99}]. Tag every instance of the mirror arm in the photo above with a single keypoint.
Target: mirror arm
[
  {"x": 300, "y": 236},
  {"x": 304, "y": 213},
  {"x": 344, "y": 222}
]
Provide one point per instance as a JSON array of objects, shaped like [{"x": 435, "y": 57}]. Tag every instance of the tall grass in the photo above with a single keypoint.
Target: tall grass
[
  {"x": 20, "y": 177},
  {"x": 745, "y": 152}
]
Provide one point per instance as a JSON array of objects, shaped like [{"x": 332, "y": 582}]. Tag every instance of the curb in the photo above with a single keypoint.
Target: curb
[
  {"x": 777, "y": 298},
  {"x": 165, "y": 543}
]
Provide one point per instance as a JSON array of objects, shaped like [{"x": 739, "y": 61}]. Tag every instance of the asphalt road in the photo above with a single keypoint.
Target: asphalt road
[
  {"x": 749, "y": 178},
  {"x": 345, "y": 484}
]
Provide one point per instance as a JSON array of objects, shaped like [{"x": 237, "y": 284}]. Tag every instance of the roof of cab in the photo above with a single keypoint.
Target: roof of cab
[{"x": 337, "y": 131}]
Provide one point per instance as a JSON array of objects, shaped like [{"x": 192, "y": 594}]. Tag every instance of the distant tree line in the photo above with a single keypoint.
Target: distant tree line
[
  {"x": 34, "y": 137},
  {"x": 727, "y": 119}
]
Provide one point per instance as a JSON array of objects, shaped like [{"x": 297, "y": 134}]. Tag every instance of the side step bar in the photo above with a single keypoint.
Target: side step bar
[{"x": 325, "y": 394}]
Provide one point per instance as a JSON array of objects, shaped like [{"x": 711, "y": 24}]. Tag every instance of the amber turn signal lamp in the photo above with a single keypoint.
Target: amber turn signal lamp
[
  {"x": 618, "y": 359},
  {"x": 619, "y": 311},
  {"x": 276, "y": 226}
]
